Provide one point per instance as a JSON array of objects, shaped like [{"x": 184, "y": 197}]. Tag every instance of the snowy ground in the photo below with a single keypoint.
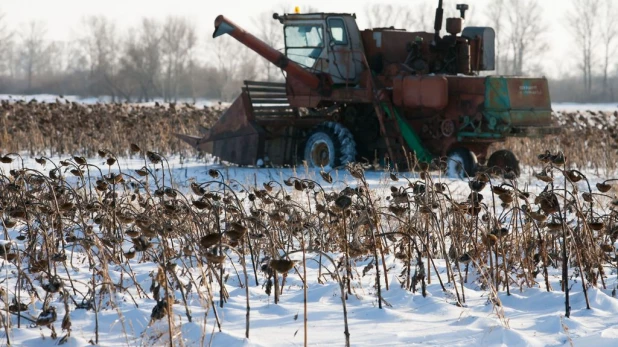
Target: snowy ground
[
  {"x": 573, "y": 107},
  {"x": 528, "y": 317}
]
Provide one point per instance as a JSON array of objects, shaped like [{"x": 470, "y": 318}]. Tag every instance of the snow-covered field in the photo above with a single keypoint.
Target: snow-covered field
[
  {"x": 574, "y": 107},
  {"x": 526, "y": 317}
]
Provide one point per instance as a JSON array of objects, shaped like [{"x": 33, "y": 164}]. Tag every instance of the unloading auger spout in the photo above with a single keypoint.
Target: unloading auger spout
[{"x": 226, "y": 26}]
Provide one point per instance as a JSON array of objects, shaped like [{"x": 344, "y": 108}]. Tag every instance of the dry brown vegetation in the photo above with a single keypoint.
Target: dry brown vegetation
[
  {"x": 506, "y": 236},
  {"x": 65, "y": 127},
  {"x": 591, "y": 139}
]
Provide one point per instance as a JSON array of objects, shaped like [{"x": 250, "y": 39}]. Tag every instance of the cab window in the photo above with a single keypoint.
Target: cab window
[
  {"x": 337, "y": 31},
  {"x": 304, "y": 43}
]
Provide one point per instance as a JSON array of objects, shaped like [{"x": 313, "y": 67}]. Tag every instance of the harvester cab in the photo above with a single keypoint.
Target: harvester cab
[
  {"x": 324, "y": 43},
  {"x": 382, "y": 95}
]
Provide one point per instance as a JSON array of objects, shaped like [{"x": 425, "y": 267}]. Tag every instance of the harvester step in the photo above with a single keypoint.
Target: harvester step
[
  {"x": 268, "y": 101},
  {"x": 271, "y": 108},
  {"x": 267, "y": 90},
  {"x": 267, "y": 96},
  {"x": 265, "y": 84},
  {"x": 275, "y": 114}
]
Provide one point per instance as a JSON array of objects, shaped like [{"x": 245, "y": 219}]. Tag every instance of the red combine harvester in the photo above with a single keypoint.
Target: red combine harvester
[{"x": 384, "y": 94}]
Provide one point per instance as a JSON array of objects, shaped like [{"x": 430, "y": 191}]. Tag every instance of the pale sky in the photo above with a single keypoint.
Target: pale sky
[{"x": 63, "y": 17}]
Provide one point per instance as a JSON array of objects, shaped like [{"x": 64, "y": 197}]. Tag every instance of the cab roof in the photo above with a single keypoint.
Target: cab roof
[{"x": 310, "y": 16}]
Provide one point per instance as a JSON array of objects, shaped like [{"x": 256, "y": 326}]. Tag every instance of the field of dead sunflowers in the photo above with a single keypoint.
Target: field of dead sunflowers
[
  {"x": 65, "y": 127},
  {"x": 86, "y": 243}
]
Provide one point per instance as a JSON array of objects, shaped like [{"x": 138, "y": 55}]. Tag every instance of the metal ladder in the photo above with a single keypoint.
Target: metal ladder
[{"x": 389, "y": 129}]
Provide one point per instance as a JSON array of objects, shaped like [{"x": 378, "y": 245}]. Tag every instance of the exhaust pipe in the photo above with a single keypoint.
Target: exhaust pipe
[
  {"x": 437, "y": 26},
  {"x": 225, "y": 26}
]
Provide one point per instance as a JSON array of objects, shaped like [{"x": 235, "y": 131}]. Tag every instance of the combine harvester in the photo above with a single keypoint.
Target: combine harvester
[{"x": 382, "y": 94}]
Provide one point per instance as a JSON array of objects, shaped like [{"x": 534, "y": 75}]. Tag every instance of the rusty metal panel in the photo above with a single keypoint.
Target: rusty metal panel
[
  {"x": 383, "y": 46},
  {"x": 241, "y": 150},
  {"x": 504, "y": 93},
  {"x": 280, "y": 149},
  {"x": 458, "y": 85},
  {"x": 234, "y": 121},
  {"x": 522, "y": 101},
  {"x": 421, "y": 92},
  {"x": 538, "y": 118},
  {"x": 527, "y": 93},
  {"x": 234, "y": 138},
  {"x": 497, "y": 94},
  {"x": 205, "y": 147},
  {"x": 360, "y": 95},
  {"x": 300, "y": 95}
]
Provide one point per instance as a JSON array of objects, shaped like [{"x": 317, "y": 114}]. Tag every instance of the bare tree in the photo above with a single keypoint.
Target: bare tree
[
  {"x": 609, "y": 31},
  {"x": 10, "y": 57},
  {"x": 142, "y": 58},
  {"x": 423, "y": 16},
  {"x": 101, "y": 50},
  {"x": 416, "y": 15},
  {"x": 33, "y": 47},
  {"x": 582, "y": 21},
  {"x": 233, "y": 64},
  {"x": 55, "y": 59},
  {"x": 221, "y": 48},
  {"x": 271, "y": 32},
  {"x": 495, "y": 15},
  {"x": 5, "y": 32},
  {"x": 385, "y": 15},
  {"x": 6, "y": 41},
  {"x": 179, "y": 39},
  {"x": 526, "y": 31},
  {"x": 226, "y": 52}
]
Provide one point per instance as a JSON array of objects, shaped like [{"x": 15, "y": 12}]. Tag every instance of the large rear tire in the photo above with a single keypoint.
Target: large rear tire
[
  {"x": 331, "y": 145},
  {"x": 461, "y": 163},
  {"x": 503, "y": 161}
]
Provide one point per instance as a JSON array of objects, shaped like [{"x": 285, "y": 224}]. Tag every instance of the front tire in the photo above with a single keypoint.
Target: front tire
[
  {"x": 331, "y": 145},
  {"x": 503, "y": 161},
  {"x": 461, "y": 163}
]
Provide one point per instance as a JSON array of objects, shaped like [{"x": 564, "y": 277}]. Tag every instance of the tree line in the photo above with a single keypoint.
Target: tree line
[
  {"x": 170, "y": 59},
  {"x": 589, "y": 25}
]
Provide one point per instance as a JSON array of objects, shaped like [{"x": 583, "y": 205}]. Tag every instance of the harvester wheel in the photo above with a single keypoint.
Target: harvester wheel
[
  {"x": 330, "y": 145},
  {"x": 503, "y": 160},
  {"x": 461, "y": 163}
]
